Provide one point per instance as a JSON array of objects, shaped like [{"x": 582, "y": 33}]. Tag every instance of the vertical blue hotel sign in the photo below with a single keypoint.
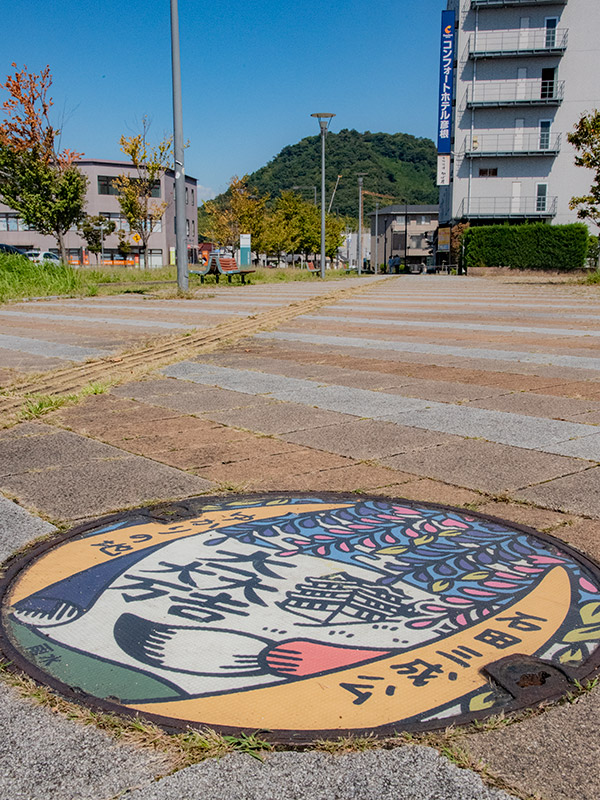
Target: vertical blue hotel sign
[{"x": 446, "y": 83}]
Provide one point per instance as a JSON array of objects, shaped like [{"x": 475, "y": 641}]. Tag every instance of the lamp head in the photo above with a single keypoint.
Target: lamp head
[{"x": 324, "y": 120}]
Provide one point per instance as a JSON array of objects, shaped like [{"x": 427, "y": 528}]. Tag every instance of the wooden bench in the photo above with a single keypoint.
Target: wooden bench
[{"x": 221, "y": 265}]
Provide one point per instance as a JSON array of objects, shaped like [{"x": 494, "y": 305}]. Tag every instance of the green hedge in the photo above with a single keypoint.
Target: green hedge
[{"x": 536, "y": 246}]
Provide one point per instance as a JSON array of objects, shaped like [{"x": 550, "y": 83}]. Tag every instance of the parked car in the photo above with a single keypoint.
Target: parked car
[
  {"x": 44, "y": 255},
  {"x": 8, "y": 248}
]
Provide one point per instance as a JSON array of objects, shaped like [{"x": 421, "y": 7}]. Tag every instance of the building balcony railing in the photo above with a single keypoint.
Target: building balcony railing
[
  {"x": 528, "y": 91},
  {"x": 515, "y": 143},
  {"x": 508, "y": 208},
  {"x": 496, "y": 3},
  {"x": 522, "y": 42}
]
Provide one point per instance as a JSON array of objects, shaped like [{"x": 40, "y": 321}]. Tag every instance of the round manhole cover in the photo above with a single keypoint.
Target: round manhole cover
[{"x": 307, "y": 616}]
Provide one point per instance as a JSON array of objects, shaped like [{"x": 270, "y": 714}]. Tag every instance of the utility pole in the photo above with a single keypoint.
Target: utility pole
[
  {"x": 180, "y": 212},
  {"x": 360, "y": 219}
]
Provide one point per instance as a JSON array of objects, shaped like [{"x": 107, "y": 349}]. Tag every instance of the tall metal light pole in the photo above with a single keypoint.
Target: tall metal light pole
[
  {"x": 376, "y": 237},
  {"x": 324, "y": 120},
  {"x": 180, "y": 213},
  {"x": 360, "y": 220}
]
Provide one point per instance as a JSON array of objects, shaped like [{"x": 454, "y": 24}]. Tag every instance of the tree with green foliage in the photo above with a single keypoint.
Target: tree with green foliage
[
  {"x": 240, "y": 210},
  {"x": 137, "y": 192},
  {"x": 94, "y": 229},
  {"x": 42, "y": 184},
  {"x": 398, "y": 165},
  {"x": 586, "y": 140}
]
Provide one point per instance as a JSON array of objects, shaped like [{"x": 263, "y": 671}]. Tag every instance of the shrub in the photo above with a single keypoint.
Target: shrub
[{"x": 535, "y": 246}]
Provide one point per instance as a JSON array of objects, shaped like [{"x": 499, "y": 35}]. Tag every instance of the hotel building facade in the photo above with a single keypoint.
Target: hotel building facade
[{"x": 525, "y": 72}]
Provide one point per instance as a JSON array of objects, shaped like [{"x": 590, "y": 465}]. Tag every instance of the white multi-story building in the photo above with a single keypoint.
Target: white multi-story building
[{"x": 526, "y": 71}]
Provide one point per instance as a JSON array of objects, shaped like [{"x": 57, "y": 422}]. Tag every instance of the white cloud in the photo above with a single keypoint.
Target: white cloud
[{"x": 205, "y": 193}]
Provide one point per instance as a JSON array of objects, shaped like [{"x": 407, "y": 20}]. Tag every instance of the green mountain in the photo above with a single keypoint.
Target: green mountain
[{"x": 396, "y": 164}]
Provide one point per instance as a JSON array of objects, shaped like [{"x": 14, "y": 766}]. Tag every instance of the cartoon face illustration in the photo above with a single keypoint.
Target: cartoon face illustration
[{"x": 368, "y": 596}]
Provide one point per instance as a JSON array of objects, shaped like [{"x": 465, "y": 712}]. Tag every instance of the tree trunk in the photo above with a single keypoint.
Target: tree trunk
[{"x": 60, "y": 240}]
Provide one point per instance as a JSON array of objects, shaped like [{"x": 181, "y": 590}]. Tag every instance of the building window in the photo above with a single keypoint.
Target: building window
[
  {"x": 541, "y": 197},
  {"x": 545, "y": 134},
  {"x": 488, "y": 172},
  {"x": 12, "y": 222},
  {"x": 192, "y": 197},
  {"x": 187, "y": 227},
  {"x": 107, "y": 185},
  {"x": 187, "y": 195}
]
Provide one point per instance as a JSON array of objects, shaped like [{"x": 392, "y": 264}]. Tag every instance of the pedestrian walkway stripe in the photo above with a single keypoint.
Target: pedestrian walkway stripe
[
  {"x": 397, "y": 308},
  {"x": 546, "y": 359},
  {"x": 516, "y": 430},
  {"x": 468, "y": 326},
  {"x": 41, "y": 347},
  {"x": 106, "y": 320}
]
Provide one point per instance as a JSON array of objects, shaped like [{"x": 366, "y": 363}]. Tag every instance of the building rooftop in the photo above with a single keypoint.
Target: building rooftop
[{"x": 400, "y": 208}]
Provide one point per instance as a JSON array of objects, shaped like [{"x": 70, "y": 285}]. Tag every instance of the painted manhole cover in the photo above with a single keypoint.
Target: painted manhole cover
[{"x": 304, "y": 615}]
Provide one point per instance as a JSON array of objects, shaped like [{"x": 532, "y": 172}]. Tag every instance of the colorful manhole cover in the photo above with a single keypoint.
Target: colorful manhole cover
[{"x": 304, "y": 615}]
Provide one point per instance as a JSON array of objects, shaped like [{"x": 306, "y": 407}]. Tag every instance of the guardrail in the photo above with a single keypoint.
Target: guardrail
[
  {"x": 512, "y": 143},
  {"x": 506, "y": 207},
  {"x": 523, "y": 40},
  {"x": 532, "y": 91}
]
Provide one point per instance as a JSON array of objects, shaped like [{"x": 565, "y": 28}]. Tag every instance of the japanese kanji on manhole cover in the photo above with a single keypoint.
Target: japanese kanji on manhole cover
[{"x": 304, "y": 615}]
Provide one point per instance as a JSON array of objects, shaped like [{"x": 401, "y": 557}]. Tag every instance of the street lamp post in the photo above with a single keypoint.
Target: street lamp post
[
  {"x": 324, "y": 120},
  {"x": 360, "y": 220},
  {"x": 376, "y": 237},
  {"x": 180, "y": 212}
]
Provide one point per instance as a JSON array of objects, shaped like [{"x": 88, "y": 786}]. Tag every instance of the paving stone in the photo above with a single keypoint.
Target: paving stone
[
  {"x": 429, "y": 491},
  {"x": 254, "y": 472},
  {"x": 496, "y": 426},
  {"x": 447, "y": 391},
  {"x": 18, "y": 527},
  {"x": 367, "y": 438},
  {"x": 20, "y": 454},
  {"x": 39, "y": 347},
  {"x": 486, "y": 466},
  {"x": 539, "y": 405},
  {"x": 103, "y": 413},
  {"x": 354, "y": 478},
  {"x": 540, "y": 519},
  {"x": 100, "y": 487},
  {"x": 554, "y": 755},
  {"x": 579, "y": 494},
  {"x": 408, "y": 773},
  {"x": 279, "y": 418},
  {"x": 224, "y": 450},
  {"x": 587, "y": 447},
  {"x": 187, "y": 398},
  {"x": 584, "y": 534},
  {"x": 44, "y": 755}
]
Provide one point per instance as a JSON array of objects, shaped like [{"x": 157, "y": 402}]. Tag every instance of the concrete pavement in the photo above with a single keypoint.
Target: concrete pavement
[{"x": 480, "y": 404}]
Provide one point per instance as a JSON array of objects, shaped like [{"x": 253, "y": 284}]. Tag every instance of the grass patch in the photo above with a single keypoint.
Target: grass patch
[
  {"x": 592, "y": 278},
  {"x": 37, "y": 405},
  {"x": 20, "y": 277}
]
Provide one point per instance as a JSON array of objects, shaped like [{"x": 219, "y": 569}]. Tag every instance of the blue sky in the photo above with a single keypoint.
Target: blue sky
[{"x": 252, "y": 72}]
